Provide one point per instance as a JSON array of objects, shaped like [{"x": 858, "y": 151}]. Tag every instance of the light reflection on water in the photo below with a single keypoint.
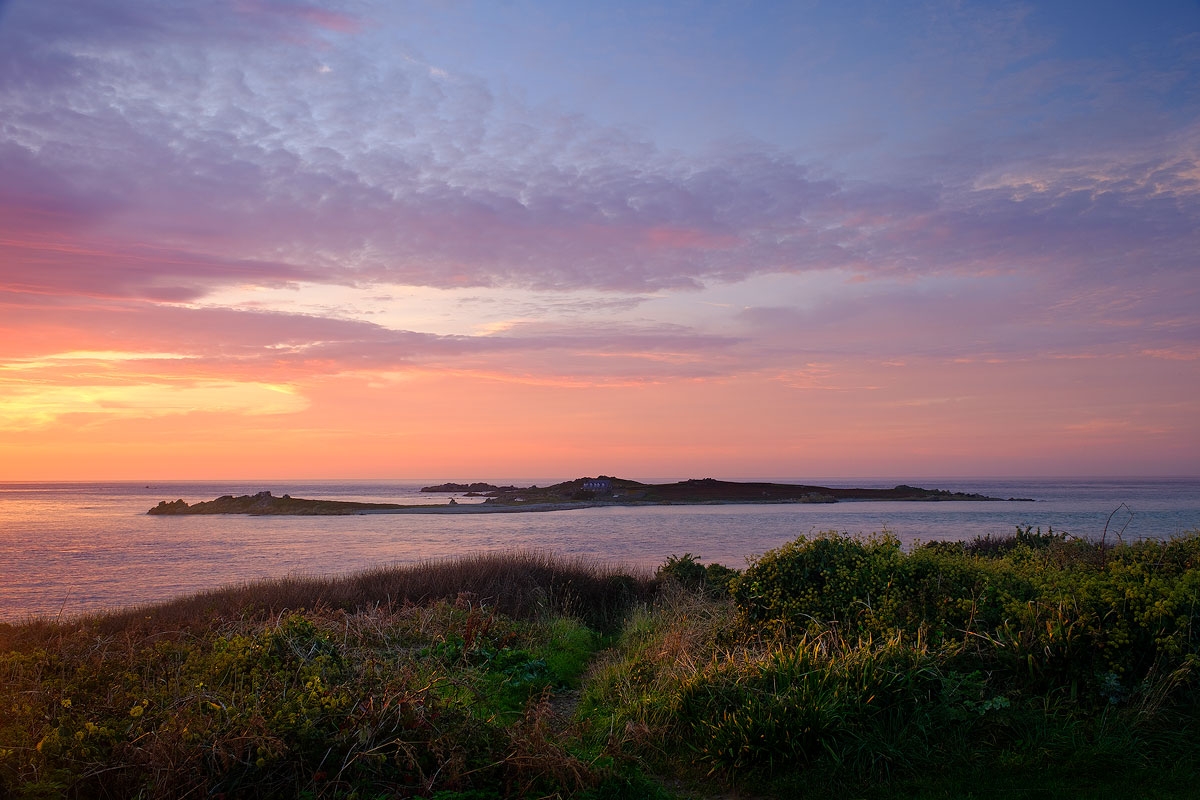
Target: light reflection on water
[{"x": 72, "y": 548}]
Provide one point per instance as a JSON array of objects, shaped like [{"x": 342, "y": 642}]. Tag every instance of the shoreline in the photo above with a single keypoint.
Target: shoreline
[{"x": 490, "y": 508}]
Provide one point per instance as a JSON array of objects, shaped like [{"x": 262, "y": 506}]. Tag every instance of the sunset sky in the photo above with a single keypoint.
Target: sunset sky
[{"x": 432, "y": 238}]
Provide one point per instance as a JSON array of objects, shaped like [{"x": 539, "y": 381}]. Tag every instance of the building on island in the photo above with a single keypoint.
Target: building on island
[{"x": 597, "y": 485}]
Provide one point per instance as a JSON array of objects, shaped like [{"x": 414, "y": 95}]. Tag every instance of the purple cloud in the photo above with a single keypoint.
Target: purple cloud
[{"x": 180, "y": 150}]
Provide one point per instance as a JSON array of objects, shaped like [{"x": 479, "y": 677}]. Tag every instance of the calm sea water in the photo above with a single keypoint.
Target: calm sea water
[{"x": 69, "y": 548}]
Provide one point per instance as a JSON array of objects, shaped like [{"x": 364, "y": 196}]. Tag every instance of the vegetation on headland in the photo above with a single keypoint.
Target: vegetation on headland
[
  {"x": 578, "y": 493},
  {"x": 1028, "y": 666}
]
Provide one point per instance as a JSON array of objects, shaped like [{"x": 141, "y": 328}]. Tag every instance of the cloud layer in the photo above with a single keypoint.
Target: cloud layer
[{"x": 1030, "y": 203}]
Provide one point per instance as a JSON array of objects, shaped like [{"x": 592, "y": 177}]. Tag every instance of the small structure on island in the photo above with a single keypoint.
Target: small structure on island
[{"x": 599, "y": 485}]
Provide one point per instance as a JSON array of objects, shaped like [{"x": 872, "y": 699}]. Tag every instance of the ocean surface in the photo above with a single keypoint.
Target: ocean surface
[{"x": 71, "y": 548}]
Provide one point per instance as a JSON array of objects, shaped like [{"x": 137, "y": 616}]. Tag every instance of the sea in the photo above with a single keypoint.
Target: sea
[{"x": 68, "y": 549}]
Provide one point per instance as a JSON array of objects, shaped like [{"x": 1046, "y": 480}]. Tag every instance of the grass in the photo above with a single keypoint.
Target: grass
[
  {"x": 407, "y": 680},
  {"x": 518, "y": 584},
  {"x": 1027, "y": 667}
]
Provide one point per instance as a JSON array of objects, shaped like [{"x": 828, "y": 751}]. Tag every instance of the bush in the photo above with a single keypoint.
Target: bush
[
  {"x": 839, "y": 664},
  {"x": 688, "y": 572},
  {"x": 813, "y": 584},
  {"x": 1043, "y": 612}
]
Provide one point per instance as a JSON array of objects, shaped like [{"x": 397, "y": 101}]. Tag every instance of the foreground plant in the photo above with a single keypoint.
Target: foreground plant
[
  {"x": 445, "y": 697},
  {"x": 843, "y": 662},
  {"x": 831, "y": 666}
]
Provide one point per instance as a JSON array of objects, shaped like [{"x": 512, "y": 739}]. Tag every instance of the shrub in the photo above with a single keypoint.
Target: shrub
[
  {"x": 950, "y": 661},
  {"x": 813, "y": 584},
  {"x": 1043, "y": 611},
  {"x": 688, "y": 572}
]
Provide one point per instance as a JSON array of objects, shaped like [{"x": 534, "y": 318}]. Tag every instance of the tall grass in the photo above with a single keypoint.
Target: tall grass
[
  {"x": 401, "y": 681},
  {"x": 521, "y": 584}
]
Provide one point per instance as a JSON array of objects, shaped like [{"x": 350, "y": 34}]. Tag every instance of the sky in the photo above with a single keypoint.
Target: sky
[{"x": 660, "y": 240}]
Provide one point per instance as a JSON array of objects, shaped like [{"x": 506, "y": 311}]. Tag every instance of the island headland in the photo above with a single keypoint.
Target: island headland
[{"x": 578, "y": 493}]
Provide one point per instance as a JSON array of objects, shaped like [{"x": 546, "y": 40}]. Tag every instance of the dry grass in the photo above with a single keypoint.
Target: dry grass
[
  {"x": 520, "y": 584},
  {"x": 401, "y": 681}
]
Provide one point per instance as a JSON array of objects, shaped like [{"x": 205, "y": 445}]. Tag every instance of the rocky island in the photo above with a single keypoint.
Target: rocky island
[
  {"x": 579, "y": 493},
  {"x": 477, "y": 488},
  {"x": 266, "y": 503}
]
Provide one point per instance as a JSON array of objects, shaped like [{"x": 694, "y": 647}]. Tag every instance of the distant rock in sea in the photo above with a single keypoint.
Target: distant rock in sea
[{"x": 479, "y": 486}]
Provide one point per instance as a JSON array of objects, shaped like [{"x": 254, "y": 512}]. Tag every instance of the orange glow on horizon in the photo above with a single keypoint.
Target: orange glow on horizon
[{"x": 463, "y": 425}]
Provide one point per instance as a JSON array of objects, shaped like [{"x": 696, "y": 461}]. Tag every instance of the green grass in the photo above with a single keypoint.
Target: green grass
[{"x": 1028, "y": 667}]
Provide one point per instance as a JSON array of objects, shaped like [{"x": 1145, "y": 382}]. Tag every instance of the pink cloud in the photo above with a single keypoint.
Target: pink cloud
[
  {"x": 313, "y": 15},
  {"x": 688, "y": 239},
  {"x": 73, "y": 265},
  {"x": 222, "y": 342}
]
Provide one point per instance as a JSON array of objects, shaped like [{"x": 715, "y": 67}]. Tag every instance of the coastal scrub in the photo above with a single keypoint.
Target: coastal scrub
[
  {"x": 834, "y": 665},
  {"x": 846, "y": 662}
]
